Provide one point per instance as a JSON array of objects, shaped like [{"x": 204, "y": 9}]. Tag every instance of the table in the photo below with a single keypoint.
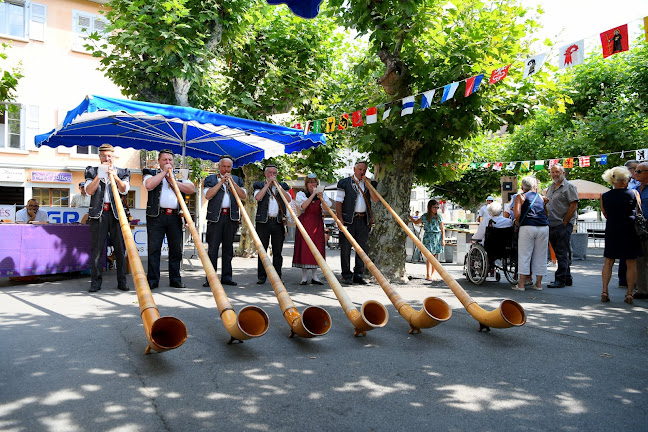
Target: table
[
  {"x": 27, "y": 250},
  {"x": 464, "y": 237}
]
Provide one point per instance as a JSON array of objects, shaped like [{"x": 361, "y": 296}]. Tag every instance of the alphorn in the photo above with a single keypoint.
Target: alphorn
[
  {"x": 509, "y": 314},
  {"x": 435, "y": 310},
  {"x": 163, "y": 333},
  {"x": 252, "y": 321},
  {"x": 372, "y": 313},
  {"x": 315, "y": 321}
]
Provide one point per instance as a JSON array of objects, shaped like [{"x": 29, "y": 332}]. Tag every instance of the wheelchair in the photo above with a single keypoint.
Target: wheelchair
[{"x": 499, "y": 252}]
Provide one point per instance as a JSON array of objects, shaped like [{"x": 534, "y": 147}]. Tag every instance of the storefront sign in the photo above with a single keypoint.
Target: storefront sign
[
  {"x": 51, "y": 177},
  {"x": 12, "y": 175},
  {"x": 7, "y": 212}
]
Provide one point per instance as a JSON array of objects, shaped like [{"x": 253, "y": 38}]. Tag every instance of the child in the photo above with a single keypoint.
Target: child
[{"x": 434, "y": 236}]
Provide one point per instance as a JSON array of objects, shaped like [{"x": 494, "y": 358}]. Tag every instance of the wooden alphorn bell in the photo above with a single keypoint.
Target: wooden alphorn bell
[
  {"x": 315, "y": 320},
  {"x": 163, "y": 333},
  {"x": 252, "y": 321},
  {"x": 435, "y": 310},
  {"x": 372, "y": 313},
  {"x": 509, "y": 314}
]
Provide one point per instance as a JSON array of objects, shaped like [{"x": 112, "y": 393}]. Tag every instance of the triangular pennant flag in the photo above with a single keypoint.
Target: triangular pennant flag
[
  {"x": 584, "y": 161},
  {"x": 524, "y": 166},
  {"x": 642, "y": 154},
  {"x": 317, "y": 126},
  {"x": 426, "y": 100},
  {"x": 344, "y": 122},
  {"x": 603, "y": 159},
  {"x": 330, "y": 124},
  {"x": 387, "y": 111},
  {"x": 372, "y": 115},
  {"x": 568, "y": 163},
  {"x": 449, "y": 91},
  {"x": 511, "y": 165},
  {"x": 533, "y": 65},
  {"x": 539, "y": 164},
  {"x": 498, "y": 166},
  {"x": 408, "y": 105},
  {"x": 472, "y": 84},
  {"x": 499, "y": 74},
  {"x": 356, "y": 119},
  {"x": 572, "y": 54},
  {"x": 615, "y": 40}
]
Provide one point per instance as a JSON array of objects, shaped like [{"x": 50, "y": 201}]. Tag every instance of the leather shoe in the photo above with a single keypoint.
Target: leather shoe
[
  {"x": 206, "y": 284},
  {"x": 569, "y": 282},
  {"x": 556, "y": 284},
  {"x": 640, "y": 295},
  {"x": 316, "y": 282},
  {"x": 179, "y": 284},
  {"x": 153, "y": 285},
  {"x": 228, "y": 282},
  {"x": 303, "y": 283},
  {"x": 261, "y": 281},
  {"x": 359, "y": 281},
  {"x": 94, "y": 288},
  {"x": 123, "y": 288},
  {"x": 347, "y": 281}
]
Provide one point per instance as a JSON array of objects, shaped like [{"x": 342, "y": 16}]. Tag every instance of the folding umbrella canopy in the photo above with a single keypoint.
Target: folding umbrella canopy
[{"x": 188, "y": 131}]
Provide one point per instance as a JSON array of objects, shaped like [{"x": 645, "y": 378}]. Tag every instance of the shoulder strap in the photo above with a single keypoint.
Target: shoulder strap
[
  {"x": 283, "y": 216},
  {"x": 529, "y": 208}
]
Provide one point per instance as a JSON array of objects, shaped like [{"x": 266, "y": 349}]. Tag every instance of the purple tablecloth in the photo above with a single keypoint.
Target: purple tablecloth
[{"x": 27, "y": 250}]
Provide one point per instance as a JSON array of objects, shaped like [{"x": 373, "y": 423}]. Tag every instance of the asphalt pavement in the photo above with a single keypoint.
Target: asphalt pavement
[{"x": 74, "y": 361}]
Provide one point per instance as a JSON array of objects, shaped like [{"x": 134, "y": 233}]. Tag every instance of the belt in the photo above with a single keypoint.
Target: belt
[
  {"x": 106, "y": 206},
  {"x": 225, "y": 211},
  {"x": 168, "y": 211},
  {"x": 356, "y": 214},
  {"x": 274, "y": 218}
]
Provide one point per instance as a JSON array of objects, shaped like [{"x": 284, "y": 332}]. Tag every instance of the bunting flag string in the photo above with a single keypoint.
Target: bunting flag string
[{"x": 613, "y": 41}]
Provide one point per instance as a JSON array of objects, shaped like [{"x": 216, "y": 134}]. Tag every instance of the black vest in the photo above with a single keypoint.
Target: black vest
[
  {"x": 350, "y": 195},
  {"x": 153, "y": 201},
  {"x": 214, "y": 205},
  {"x": 97, "y": 199},
  {"x": 264, "y": 204}
]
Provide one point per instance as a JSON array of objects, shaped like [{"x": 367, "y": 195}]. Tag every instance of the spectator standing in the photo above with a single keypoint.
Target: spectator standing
[
  {"x": 483, "y": 211},
  {"x": 633, "y": 184},
  {"x": 641, "y": 174},
  {"x": 619, "y": 208},
  {"x": 562, "y": 206},
  {"x": 82, "y": 199}
]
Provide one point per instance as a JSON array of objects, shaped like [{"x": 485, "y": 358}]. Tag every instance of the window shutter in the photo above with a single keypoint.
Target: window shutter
[
  {"x": 38, "y": 21},
  {"x": 82, "y": 29}
]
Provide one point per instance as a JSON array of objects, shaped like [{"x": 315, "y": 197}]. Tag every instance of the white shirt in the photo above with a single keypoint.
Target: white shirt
[
  {"x": 106, "y": 198},
  {"x": 168, "y": 198},
  {"x": 360, "y": 204},
  {"x": 227, "y": 203},
  {"x": 301, "y": 199},
  {"x": 483, "y": 211},
  {"x": 23, "y": 216},
  {"x": 501, "y": 222},
  {"x": 481, "y": 229},
  {"x": 273, "y": 206},
  {"x": 80, "y": 200}
]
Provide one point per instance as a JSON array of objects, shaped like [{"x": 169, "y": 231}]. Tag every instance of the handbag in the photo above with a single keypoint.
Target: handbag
[{"x": 640, "y": 224}]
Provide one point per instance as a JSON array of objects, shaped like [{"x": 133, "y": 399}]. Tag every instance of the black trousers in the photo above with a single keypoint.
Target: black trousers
[
  {"x": 99, "y": 229},
  {"x": 156, "y": 229},
  {"x": 271, "y": 230},
  {"x": 222, "y": 232},
  {"x": 359, "y": 230},
  {"x": 560, "y": 239}
]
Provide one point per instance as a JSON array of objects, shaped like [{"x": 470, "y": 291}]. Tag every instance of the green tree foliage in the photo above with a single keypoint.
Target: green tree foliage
[
  {"x": 9, "y": 77},
  {"x": 415, "y": 46}
]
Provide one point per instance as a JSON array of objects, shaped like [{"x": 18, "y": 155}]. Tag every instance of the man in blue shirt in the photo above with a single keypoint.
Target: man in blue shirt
[{"x": 641, "y": 173}]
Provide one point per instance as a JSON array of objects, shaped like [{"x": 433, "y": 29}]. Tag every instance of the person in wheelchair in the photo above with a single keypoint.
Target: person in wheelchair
[
  {"x": 497, "y": 251},
  {"x": 533, "y": 237}
]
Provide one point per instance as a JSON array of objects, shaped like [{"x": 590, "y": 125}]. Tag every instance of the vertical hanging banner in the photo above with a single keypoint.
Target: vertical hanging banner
[
  {"x": 426, "y": 100},
  {"x": 642, "y": 154},
  {"x": 511, "y": 165},
  {"x": 533, "y": 65},
  {"x": 307, "y": 127},
  {"x": 472, "y": 84},
  {"x": 449, "y": 91},
  {"x": 614, "y": 40},
  {"x": 499, "y": 74},
  {"x": 553, "y": 162},
  {"x": 539, "y": 165},
  {"x": 408, "y": 105},
  {"x": 603, "y": 159},
  {"x": 584, "y": 161},
  {"x": 344, "y": 122},
  {"x": 387, "y": 111},
  {"x": 356, "y": 119},
  {"x": 372, "y": 115},
  {"x": 646, "y": 27},
  {"x": 572, "y": 54},
  {"x": 317, "y": 126},
  {"x": 498, "y": 166},
  {"x": 568, "y": 163},
  {"x": 330, "y": 124},
  {"x": 524, "y": 166}
]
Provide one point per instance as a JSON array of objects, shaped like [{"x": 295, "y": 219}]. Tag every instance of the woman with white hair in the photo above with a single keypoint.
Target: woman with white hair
[
  {"x": 618, "y": 206},
  {"x": 533, "y": 236}
]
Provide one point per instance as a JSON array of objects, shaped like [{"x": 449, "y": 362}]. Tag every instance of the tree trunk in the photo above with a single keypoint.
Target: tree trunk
[
  {"x": 246, "y": 248},
  {"x": 387, "y": 240}
]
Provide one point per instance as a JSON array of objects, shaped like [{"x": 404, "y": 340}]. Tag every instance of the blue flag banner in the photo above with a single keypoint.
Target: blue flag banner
[
  {"x": 408, "y": 105},
  {"x": 449, "y": 91},
  {"x": 427, "y": 99},
  {"x": 302, "y": 8},
  {"x": 604, "y": 159}
]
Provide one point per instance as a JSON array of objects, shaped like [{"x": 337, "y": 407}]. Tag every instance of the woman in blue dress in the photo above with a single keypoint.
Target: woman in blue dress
[{"x": 434, "y": 236}]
